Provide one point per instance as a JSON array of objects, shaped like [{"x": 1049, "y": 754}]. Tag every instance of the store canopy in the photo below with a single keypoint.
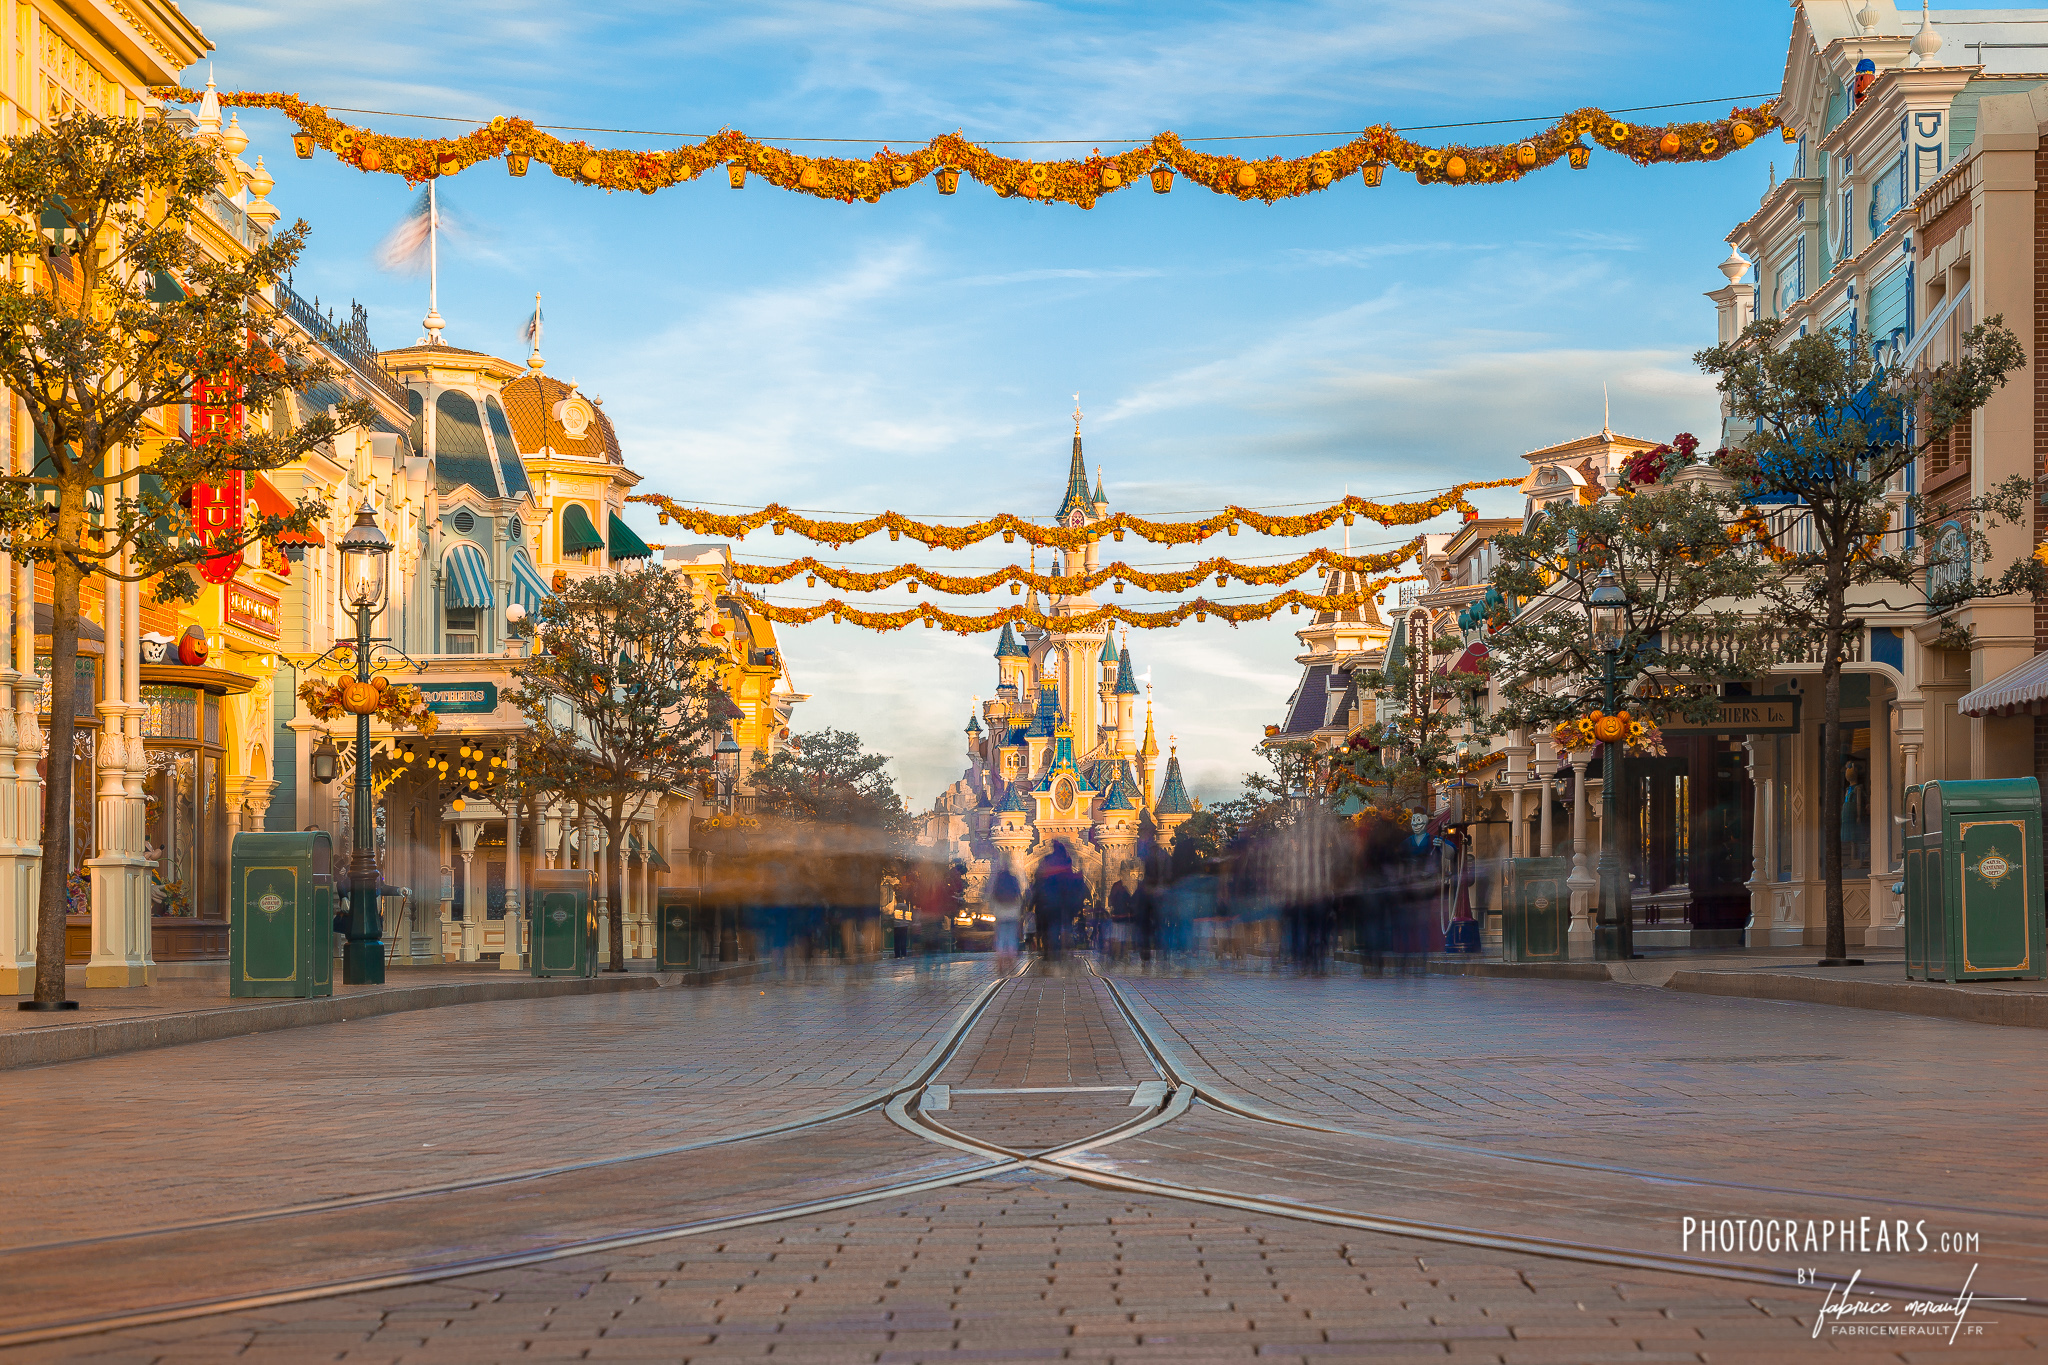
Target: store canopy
[
  {"x": 654, "y": 856},
  {"x": 527, "y": 588},
  {"x": 465, "y": 578},
  {"x": 2014, "y": 691},
  {"x": 271, "y": 503},
  {"x": 625, "y": 544},
  {"x": 578, "y": 532}
]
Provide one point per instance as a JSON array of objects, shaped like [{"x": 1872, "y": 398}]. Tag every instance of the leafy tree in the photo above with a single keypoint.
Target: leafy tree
[
  {"x": 1670, "y": 552},
  {"x": 1421, "y": 714},
  {"x": 623, "y": 699},
  {"x": 1832, "y": 432},
  {"x": 826, "y": 777},
  {"x": 119, "y": 318}
]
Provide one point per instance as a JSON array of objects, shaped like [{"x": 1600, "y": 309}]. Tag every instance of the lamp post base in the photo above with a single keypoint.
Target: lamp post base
[{"x": 362, "y": 963}]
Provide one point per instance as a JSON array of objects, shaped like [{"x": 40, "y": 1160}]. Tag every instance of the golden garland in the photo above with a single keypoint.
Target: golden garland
[
  {"x": 1201, "y": 609},
  {"x": 1080, "y": 180},
  {"x": 839, "y": 533},
  {"x": 400, "y": 707},
  {"x": 846, "y": 580}
]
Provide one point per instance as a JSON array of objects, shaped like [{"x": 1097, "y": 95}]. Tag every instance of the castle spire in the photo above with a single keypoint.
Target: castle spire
[{"x": 1077, "y": 498}]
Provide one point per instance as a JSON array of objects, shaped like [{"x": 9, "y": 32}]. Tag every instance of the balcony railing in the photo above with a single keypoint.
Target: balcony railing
[
  {"x": 240, "y": 226},
  {"x": 347, "y": 342}
]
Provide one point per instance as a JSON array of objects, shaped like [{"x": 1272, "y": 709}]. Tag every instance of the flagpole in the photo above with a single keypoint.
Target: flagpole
[{"x": 433, "y": 322}]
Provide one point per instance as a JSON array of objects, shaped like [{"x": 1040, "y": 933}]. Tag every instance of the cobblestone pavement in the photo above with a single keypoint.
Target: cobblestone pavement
[
  {"x": 1026, "y": 1265},
  {"x": 412, "y": 1099}
]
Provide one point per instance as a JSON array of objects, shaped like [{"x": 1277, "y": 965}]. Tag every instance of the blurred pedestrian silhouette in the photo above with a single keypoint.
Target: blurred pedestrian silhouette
[{"x": 1057, "y": 896}]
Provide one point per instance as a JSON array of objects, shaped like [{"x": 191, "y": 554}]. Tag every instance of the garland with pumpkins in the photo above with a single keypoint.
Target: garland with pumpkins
[
  {"x": 1636, "y": 733},
  {"x": 837, "y": 534},
  {"x": 917, "y": 576},
  {"x": 399, "y": 706},
  {"x": 961, "y": 623},
  {"x": 1080, "y": 181}
]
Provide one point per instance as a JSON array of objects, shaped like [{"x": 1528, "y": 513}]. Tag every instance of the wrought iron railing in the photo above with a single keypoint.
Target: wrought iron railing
[{"x": 348, "y": 342}]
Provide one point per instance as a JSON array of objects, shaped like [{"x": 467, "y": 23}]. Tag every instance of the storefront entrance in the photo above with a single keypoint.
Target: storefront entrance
[{"x": 1685, "y": 819}]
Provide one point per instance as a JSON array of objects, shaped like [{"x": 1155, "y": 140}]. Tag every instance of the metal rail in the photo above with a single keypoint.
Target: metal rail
[
  {"x": 1243, "y": 1108},
  {"x": 932, "y": 1062}
]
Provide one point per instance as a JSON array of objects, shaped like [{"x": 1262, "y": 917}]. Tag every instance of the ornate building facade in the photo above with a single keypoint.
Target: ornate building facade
[{"x": 1059, "y": 756}]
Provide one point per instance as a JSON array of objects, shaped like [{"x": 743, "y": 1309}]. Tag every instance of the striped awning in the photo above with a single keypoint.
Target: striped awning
[
  {"x": 2018, "y": 689},
  {"x": 527, "y": 588},
  {"x": 465, "y": 578}
]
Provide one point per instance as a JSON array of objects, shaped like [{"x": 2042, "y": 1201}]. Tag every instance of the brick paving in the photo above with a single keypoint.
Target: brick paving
[
  {"x": 413, "y": 1099},
  {"x": 1029, "y": 1266}
]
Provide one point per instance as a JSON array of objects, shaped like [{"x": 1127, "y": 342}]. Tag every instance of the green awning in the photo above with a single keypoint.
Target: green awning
[
  {"x": 626, "y": 545},
  {"x": 578, "y": 534}
]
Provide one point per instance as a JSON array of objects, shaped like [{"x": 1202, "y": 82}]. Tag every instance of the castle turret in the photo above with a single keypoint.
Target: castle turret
[
  {"x": 1147, "y": 752},
  {"x": 1174, "y": 807},
  {"x": 1126, "y": 694}
]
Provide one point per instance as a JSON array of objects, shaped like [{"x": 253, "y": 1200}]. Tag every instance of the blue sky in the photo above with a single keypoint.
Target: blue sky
[{"x": 920, "y": 354}]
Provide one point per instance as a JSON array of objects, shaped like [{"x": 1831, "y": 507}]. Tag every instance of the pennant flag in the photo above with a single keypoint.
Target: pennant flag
[
  {"x": 405, "y": 249},
  {"x": 530, "y": 333}
]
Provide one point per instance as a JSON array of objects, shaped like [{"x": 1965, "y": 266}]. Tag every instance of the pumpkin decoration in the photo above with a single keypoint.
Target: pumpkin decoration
[
  {"x": 1668, "y": 144},
  {"x": 1742, "y": 134},
  {"x": 192, "y": 649},
  {"x": 360, "y": 698},
  {"x": 1525, "y": 155}
]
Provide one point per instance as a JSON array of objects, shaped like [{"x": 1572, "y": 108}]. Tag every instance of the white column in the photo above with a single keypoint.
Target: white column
[
  {"x": 1584, "y": 885},
  {"x": 1887, "y": 926},
  {"x": 473, "y": 911},
  {"x": 17, "y": 915},
  {"x": 1759, "y": 849},
  {"x": 120, "y": 919},
  {"x": 511, "y": 959},
  {"x": 1544, "y": 841},
  {"x": 28, "y": 751}
]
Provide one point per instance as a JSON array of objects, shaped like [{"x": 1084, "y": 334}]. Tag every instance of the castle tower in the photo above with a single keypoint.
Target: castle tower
[
  {"x": 1147, "y": 752},
  {"x": 1174, "y": 807},
  {"x": 1077, "y": 653},
  {"x": 1125, "y": 692}
]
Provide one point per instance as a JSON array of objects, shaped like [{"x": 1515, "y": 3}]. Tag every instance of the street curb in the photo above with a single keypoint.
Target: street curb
[
  {"x": 1933, "y": 999},
  {"x": 1540, "y": 971},
  {"x": 80, "y": 1042}
]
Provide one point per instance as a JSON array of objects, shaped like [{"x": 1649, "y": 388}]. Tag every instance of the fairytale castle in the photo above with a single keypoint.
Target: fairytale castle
[{"x": 1058, "y": 755}]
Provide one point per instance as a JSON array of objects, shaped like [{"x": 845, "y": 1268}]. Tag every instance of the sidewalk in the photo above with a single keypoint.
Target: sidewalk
[
  {"x": 1791, "y": 973},
  {"x": 200, "y": 1010}
]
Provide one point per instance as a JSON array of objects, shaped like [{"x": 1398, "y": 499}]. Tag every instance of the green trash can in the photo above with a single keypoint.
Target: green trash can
[
  {"x": 1536, "y": 924},
  {"x": 676, "y": 931},
  {"x": 281, "y": 915},
  {"x": 563, "y": 938},
  {"x": 1973, "y": 881}
]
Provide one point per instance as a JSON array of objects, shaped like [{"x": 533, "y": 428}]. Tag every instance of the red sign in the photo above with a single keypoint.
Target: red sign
[
  {"x": 217, "y": 511},
  {"x": 252, "y": 610}
]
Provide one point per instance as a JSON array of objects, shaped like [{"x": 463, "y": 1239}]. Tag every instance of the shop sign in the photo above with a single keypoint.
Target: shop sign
[
  {"x": 1745, "y": 716},
  {"x": 456, "y": 698},
  {"x": 1948, "y": 564},
  {"x": 252, "y": 610},
  {"x": 217, "y": 508}
]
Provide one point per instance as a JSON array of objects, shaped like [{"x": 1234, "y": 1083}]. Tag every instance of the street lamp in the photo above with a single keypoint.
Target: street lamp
[
  {"x": 728, "y": 758},
  {"x": 365, "y": 562},
  {"x": 1614, "y": 935},
  {"x": 325, "y": 760}
]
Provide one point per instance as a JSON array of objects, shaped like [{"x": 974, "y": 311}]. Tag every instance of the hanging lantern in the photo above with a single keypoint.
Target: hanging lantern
[
  {"x": 1525, "y": 155},
  {"x": 302, "y": 143},
  {"x": 1294, "y": 608},
  {"x": 1231, "y": 529},
  {"x": 1119, "y": 585},
  {"x": 949, "y": 179},
  {"x": 738, "y": 174},
  {"x": 1370, "y": 175},
  {"x": 913, "y": 585},
  {"x": 1580, "y": 156},
  {"x": 516, "y": 163},
  {"x": 1162, "y": 179},
  {"x": 1668, "y": 144},
  {"x": 1009, "y": 537},
  {"x": 810, "y": 580},
  {"x": 1016, "y": 590},
  {"x": 1201, "y": 616},
  {"x": 779, "y": 528}
]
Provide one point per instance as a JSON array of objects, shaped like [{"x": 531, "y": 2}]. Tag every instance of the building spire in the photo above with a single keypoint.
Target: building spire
[
  {"x": 1077, "y": 476},
  {"x": 1606, "y": 422}
]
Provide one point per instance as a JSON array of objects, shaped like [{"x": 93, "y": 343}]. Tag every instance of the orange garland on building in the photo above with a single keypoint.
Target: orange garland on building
[{"x": 1080, "y": 181}]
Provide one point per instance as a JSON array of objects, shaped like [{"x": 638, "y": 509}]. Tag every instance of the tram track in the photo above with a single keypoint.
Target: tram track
[
  {"x": 1224, "y": 1101},
  {"x": 902, "y": 1104},
  {"x": 930, "y": 1065}
]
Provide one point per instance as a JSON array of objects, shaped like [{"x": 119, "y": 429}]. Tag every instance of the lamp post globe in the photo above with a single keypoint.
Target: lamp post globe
[
  {"x": 1614, "y": 933},
  {"x": 365, "y": 565}
]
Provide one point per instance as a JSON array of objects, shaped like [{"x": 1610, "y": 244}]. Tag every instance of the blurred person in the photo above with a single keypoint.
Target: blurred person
[
  {"x": 1058, "y": 896},
  {"x": 1006, "y": 901}
]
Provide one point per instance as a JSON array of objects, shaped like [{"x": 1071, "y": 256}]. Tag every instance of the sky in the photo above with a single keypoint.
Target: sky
[{"x": 921, "y": 354}]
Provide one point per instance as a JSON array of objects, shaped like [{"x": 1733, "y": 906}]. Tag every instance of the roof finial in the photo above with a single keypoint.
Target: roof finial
[
  {"x": 1927, "y": 41},
  {"x": 533, "y": 326},
  {"x": 1077, "y": 414},
  {"x": 1606, "y": 422}
]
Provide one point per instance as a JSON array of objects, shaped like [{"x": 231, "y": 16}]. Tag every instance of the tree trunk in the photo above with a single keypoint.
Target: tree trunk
[
  {"x": 614, "y": 883},
  {"x": 1831, "y": 773},
  {"x": 54, "y": 900}
]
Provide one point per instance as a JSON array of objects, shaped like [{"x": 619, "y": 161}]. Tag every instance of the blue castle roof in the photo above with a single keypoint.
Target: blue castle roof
[
  {"x": 1047, "y": 716},
  {"x": 1013, "y": 801},
  {"x": 1173, "y": 797},
  {"x": 1108, "y": 654},
  {"x": 1008, "y": 648},
  {"x": 1126, "y": 683}
]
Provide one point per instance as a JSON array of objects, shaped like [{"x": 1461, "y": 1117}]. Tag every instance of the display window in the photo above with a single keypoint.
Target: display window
[{"x": 185, "y": 834}]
